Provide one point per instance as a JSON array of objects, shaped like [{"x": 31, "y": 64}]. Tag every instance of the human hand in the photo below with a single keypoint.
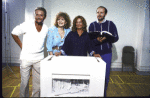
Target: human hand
[
  {"x": 101, "y": 39},
  {"x": 57, "y": 53},
  {"x": 97, "y": 55}
]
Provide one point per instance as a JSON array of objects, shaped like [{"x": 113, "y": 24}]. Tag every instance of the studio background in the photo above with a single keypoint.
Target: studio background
[{"x": 130, "y": 16}]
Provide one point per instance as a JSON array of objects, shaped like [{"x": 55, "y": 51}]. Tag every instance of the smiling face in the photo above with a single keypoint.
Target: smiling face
[
  {"x": 39, "y": 16},
  {"x": 79, "y": 23},
  {"x": 101, "y": 14},
  {"x": 61, "y": 21}
]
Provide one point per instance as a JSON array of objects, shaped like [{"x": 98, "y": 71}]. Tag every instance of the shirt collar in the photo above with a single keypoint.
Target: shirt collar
[
  {"x": 84, "y": 32},
  {"x": 102, "y": 21}
]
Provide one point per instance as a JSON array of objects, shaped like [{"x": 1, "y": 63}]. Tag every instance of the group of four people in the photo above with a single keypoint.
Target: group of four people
[{"x": 61, "y": 40}]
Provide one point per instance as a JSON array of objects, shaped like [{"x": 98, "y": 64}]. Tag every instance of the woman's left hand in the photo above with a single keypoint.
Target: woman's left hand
[{"x": 97, "y": 55}]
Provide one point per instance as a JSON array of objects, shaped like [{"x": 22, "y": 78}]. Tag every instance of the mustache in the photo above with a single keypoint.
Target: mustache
[
  {"x": 39, "y": 19},
  {"x": 99, "y": 16}
]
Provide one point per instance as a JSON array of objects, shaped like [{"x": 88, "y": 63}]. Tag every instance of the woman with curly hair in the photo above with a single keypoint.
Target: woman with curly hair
[
  {"x": 77, "y": 42},
  {"x": 58, "y": 33}
]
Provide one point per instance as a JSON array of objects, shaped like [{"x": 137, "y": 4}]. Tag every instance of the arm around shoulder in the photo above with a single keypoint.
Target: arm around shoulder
[
  {"x": 91, "y": 28},
  {"x": 50, "y": 40}
]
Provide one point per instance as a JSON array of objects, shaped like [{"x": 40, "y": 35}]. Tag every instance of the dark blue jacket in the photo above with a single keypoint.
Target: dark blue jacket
[{"x": 106, "y": 45}]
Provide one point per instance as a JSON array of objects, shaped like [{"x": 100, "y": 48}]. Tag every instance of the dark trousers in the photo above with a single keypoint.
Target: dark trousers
[{"x": 107, "y": 59}]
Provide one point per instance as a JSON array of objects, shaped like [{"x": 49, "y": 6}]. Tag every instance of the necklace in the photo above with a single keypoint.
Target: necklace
[{"x": 62, "y": 34}]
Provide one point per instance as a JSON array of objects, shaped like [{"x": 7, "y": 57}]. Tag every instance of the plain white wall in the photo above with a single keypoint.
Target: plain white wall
[{"x": 30, "y": 6}]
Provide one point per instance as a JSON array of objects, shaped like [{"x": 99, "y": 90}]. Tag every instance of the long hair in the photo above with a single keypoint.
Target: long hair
[
  {"x": 84, "y": 28},
  {"x": 66, "y": 17}
]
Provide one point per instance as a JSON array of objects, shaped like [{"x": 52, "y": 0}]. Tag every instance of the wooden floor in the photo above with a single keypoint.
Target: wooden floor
[{"x": 121, "y": 84}]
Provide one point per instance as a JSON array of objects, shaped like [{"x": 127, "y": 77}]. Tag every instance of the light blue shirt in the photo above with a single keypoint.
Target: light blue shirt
[{"x": 54, "y": 38}]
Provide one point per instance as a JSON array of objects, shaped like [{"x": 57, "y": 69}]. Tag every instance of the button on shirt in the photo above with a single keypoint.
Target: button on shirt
[
  {"x": 54, "y": 38},
  {"x": 76, "y": 45},
  {"x": 33, "y": 41}
]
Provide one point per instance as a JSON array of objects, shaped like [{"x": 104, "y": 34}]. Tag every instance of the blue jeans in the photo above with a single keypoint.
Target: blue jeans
[{"x": 107, "y": 59}]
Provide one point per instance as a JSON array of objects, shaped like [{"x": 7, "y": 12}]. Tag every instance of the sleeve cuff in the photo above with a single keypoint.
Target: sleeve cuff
[
  {"x": 91, "y": 54},
  {"x": 49, "y": 50},
  {"x": 63, "y": 52}
]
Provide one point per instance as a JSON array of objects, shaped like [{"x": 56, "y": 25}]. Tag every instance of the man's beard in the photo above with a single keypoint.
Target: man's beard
[
  {"x": 101, "y": 19},
  {"x": 40, "y": 23}
]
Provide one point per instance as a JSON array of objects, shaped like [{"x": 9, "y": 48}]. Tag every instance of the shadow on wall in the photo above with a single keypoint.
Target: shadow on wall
[{"x": 114, "y": 54}]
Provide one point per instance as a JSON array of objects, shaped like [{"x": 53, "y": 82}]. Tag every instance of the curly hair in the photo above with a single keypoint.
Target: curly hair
[
  {"x": 66, "y": 17},
  {"x": 84, "y": 28}
]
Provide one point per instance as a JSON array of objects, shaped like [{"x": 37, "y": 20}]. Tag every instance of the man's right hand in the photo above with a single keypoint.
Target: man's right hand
[
  {"x": 17, "y": 40},
  {"x": 100, "y": 39}
]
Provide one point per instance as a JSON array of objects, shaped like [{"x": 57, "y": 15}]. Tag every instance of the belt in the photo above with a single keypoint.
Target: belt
[{"x": 57, "y": 48}]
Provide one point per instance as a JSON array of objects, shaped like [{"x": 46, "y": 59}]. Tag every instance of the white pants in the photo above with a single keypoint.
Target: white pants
[{"x": 25, "y": 68}]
